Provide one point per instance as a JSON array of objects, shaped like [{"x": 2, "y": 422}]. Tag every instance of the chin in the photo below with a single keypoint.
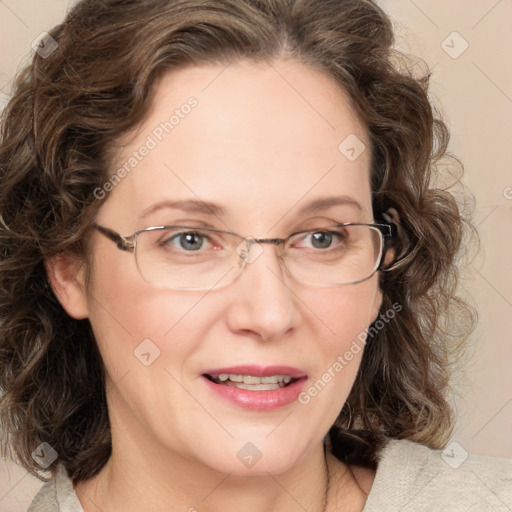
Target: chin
[{"x": 256, "y": 454}]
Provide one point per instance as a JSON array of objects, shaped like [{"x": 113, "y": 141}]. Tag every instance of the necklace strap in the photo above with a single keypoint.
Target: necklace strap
[{"x": 327, "y": 480}]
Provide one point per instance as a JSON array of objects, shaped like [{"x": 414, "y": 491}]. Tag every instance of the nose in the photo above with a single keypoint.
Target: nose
[{"x": 263, "y": 302}]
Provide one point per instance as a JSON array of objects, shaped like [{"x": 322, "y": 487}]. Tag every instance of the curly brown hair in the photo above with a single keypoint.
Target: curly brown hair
[{"x": 58, "y": 137}]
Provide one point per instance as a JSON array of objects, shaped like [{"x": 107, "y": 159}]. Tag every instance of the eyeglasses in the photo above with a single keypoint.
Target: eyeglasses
[{"x": 200, "y": 258}]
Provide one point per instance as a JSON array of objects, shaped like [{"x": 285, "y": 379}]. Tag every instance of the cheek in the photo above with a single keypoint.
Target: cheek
[
  {"x": 131, "y": 318},
  {"x": 345, "y": 312},
  {"x": 340, "y": 318}
]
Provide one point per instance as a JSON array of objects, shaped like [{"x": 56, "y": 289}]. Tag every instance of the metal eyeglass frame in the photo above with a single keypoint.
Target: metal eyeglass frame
[{"x": 129, "y": 243}]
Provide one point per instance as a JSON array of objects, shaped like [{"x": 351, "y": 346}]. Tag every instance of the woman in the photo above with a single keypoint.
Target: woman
[{"x": 224, "y": 276}]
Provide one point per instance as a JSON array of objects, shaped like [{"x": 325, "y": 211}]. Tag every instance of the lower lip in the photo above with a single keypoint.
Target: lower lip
[{"x": 258, "y": 400}]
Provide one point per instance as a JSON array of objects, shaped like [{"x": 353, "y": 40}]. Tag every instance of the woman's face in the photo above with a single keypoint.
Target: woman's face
[{"x": 262, "y": 142}]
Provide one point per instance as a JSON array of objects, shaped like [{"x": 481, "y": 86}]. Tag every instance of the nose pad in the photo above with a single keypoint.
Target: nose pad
[{"x": 249, "y": 251}]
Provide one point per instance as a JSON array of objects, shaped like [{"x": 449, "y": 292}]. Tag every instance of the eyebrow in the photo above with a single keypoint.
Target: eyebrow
[
  {"x": 212, "y": 209},
  {"x": 190, "y": 205}
]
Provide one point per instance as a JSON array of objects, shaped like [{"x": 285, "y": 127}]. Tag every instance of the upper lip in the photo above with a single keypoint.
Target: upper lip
[{"x": 257, "y": 371}]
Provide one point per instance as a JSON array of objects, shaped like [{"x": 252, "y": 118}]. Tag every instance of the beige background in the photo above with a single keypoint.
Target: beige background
[{"x": 475, "y": 90}]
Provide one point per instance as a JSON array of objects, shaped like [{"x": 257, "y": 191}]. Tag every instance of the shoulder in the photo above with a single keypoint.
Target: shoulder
[
  {"x": 45, "y": 499},
  {"x": 411, "y": 476},
  {"x": 56, "y": 495}
]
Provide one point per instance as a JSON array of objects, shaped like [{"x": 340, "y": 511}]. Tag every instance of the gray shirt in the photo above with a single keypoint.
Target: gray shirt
[{"x": 410, "y": 478}]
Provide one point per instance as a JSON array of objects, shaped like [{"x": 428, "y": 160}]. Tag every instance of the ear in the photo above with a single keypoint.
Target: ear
[
  {"x": 377, "y": 303},
  {"x": 66, "y": 274},
  {"x": 391, "y": 215}
]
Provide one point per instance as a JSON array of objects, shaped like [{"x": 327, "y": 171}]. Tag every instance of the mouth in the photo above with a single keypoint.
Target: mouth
[
  {"x": 252, "y": 382},
  {"x": 255, "y": 378}
]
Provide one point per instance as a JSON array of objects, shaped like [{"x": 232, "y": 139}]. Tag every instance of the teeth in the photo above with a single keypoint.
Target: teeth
[
  {"x": 249, "y": 380},
  {"x": 255, "y": 387}
]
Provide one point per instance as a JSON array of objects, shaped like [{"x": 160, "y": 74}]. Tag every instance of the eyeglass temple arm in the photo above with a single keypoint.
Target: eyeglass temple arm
[
  {"x": 392, "y": 232},
  {"x": 389, "y": 229},
  {"x": 122, "y": 242}
]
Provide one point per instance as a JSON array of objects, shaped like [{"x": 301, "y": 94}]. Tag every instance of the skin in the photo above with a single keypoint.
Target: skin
[{"x": 262, "y": 142}]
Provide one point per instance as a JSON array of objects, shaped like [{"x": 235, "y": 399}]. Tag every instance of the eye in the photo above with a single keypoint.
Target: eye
[
  {"x": 322, "y": 239},
  {"x": 188, "y": 241}
]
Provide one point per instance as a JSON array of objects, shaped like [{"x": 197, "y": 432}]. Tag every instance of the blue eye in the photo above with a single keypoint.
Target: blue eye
[
  {"x": 189, "y": 241},
  {"x": 323, "y": 239}
]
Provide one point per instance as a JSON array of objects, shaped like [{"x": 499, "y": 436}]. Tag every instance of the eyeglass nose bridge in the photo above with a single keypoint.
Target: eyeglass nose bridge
[{"x": 248, "y": 254}]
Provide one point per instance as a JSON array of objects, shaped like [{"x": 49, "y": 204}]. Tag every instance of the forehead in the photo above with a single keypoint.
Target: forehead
[{"x": 256, "y": 137}]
